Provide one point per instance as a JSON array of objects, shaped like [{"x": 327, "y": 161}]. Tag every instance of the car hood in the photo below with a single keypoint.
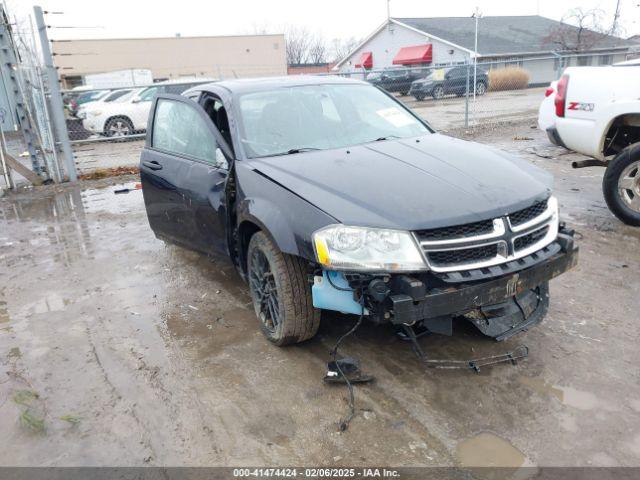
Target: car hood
[{"x": 410, "y": 184}]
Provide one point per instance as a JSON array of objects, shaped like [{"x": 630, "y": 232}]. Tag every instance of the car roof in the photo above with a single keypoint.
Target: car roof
[{"x": 246, "y": 85}]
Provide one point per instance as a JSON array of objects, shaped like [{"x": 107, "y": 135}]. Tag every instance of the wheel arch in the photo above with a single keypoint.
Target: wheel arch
[
  {"x": 629, "y": 120},
  {"x": 278, "y": 233}
]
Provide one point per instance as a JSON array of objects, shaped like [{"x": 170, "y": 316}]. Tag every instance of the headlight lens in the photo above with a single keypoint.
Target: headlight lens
[{"x": 372, "y": 249}]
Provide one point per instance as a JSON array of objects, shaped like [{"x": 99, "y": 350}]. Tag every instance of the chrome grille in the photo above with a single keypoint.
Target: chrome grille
[
  {"x": 457, "y": 231},
  {"x": 526, "y": 214},
  {"x": 530, "y": 238},
  {"x": 476, "y": 245}
]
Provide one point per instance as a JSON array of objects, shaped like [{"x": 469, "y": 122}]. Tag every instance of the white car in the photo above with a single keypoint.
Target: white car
[
  {"x": 112, "y": 96},
  {"x": 597, "y": 113},
  {"x": 120, "y": 119},
  {"x": 547, "y": 111}
]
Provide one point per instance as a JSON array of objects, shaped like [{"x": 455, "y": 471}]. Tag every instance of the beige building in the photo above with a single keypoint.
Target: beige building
[{"x": 173, "y": 57}]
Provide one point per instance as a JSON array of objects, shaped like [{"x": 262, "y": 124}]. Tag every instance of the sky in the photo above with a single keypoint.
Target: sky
[{"x": 331, "y": 18}]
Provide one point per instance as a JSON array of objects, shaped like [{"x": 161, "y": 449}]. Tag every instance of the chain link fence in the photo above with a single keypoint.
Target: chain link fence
[
  {"x": 473, "y": 94},
  {"x": 107, "y": 125}
]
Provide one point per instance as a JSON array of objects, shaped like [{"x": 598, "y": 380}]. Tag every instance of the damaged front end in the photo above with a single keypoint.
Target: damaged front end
[{"x": 501, "y": 299}]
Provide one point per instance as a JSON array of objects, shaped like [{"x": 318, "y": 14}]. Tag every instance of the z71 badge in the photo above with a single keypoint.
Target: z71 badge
[{"x": 585, "y": 107}]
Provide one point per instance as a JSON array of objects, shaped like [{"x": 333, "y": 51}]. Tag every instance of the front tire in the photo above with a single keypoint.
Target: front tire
[
  {"x": 438, "y": 92},
  {"x": 621, "y": 185},
  {"x": 280, "y": 292},
  {"x": 481, "y": 88}
]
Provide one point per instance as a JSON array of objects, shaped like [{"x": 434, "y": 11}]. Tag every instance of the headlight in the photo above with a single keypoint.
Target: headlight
[
  {"x": 95, "y": 113},
  {"x": 373, "y": 249}
]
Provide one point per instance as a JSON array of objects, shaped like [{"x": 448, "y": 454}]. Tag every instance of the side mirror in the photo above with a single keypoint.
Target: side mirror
[
  {"x": 135, "y": 100},
  {"x": 221, "y": 160}
]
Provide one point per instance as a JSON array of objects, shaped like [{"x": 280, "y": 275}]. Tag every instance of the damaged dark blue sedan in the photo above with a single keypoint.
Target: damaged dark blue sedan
[{"x": 328, "y": 194}]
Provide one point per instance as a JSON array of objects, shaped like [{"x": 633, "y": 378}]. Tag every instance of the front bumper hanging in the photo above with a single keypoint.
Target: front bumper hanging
[{"x": 499, "y": 306}]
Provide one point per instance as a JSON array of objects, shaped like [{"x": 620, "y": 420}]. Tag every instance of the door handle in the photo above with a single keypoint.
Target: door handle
[{"x": 153, "y": 165}]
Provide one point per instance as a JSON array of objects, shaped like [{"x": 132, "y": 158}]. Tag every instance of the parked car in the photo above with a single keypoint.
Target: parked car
[
  {"x": 113, "y": 96},
  {"x": 439, "y": 83},
  {"x": 597, "y": 113},
  {"x": 120, "y": 119},
  {"x": 395, "y": 79},
  {"x": 327, "y": 193},
  {"x": 87, "y": 97},
  {"x": 547, "y": 110}
]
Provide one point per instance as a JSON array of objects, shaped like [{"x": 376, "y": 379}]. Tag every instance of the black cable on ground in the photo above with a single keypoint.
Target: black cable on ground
[{"x": 344, "y": 424}]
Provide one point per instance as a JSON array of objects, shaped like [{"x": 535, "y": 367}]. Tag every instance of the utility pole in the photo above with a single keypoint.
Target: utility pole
[
  {"x": 616, "y": 16},
  {"x": 55, "y": 97},
  {"x": 388, "y": 10}
]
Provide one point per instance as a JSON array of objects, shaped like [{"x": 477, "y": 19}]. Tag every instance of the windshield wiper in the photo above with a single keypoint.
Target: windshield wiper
[
  {"x": 388, "y": 137},
  {"x": 294, "y": 150}
]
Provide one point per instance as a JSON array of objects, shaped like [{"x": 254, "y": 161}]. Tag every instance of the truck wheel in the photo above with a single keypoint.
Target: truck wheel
[
  {"x": 481, "y": 88},
  {"x": 281, "y": 293},
  {"x": 621, "y": 185}
]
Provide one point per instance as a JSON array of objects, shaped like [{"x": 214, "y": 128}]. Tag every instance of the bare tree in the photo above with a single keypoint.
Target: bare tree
[
  {"x": 297, "y": 41},
  {"x": 341, "y": 47},
  {"x": 579, "y": 30},
  {"x": 317, "y": 50}
]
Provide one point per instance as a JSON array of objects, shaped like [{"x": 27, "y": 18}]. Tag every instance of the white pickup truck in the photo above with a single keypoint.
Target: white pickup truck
[{"x": 597, "y": 113}]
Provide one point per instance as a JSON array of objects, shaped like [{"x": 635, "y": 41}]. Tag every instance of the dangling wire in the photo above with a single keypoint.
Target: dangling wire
[{"x": 344, "y": 423}]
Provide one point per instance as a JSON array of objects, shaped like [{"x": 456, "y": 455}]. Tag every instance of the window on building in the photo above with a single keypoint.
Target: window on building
[
  {"x": 605, "y": 59},
  {"x": 559, "y": 63},
  {"x": 584, "y": 60}
]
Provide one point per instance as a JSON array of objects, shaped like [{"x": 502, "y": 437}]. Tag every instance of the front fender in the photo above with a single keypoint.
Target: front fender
[{"x": 287, "y": 218}]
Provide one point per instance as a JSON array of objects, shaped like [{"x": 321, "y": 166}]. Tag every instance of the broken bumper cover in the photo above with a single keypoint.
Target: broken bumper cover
[{"x": 499, "y": 307}]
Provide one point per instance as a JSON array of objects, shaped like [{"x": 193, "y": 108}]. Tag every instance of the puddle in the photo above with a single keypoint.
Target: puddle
[
  {"x": 566, "y": 395},
  {"x": 51, "y": 303},
  {"x": 105, "y": 200},
  {"x": 73, "y": 204},
  {"x": 488, "y": 450}
]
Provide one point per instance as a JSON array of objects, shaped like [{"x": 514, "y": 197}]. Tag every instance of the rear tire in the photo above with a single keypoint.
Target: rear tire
[
  {"x": 281, "y": 293},
  {"x": 621, "y": 185},
  {"x": 438, "y": 92}
]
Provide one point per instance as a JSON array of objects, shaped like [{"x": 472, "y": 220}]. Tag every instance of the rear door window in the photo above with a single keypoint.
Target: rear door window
[{"x": 179, "y": 129}]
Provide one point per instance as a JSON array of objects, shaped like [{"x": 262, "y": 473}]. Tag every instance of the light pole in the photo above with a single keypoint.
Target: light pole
[{"x": 475, "y": 15}]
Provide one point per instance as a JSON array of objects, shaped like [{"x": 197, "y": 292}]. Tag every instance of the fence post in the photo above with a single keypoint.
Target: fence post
[
  {"x": 466, "y": 100},
  {"x": 55, "y": 97}
]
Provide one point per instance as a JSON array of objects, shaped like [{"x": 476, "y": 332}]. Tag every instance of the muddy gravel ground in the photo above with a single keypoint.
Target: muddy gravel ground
[{"x": 116, "y": 349}]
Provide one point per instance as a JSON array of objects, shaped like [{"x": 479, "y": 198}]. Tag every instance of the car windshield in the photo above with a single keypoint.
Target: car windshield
[
  {"x": 321, "y": 117},
  {"x": 128, "y": 96},
  {"x": 91, "y": 96},
  {"x": 113, "y": 96}
]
